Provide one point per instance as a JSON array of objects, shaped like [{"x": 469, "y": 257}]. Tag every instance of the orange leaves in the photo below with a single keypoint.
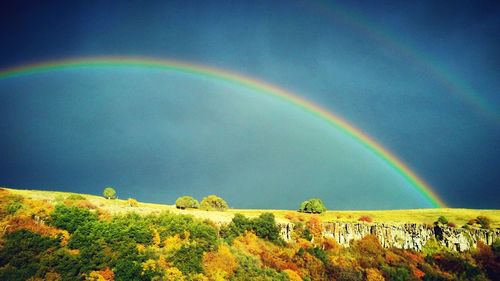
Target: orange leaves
[
  {"x": 365, "y": 219},
  {"x": 221, "y": 264},
  {"x": 373, "y": 274},
  {"x": 103, "y": 275},
  {"x": 368, "y": 245},
  {"x": 330, "y": 245},
  {"x": 24, "y": 222},
  {"x": 315, "y": 226}
]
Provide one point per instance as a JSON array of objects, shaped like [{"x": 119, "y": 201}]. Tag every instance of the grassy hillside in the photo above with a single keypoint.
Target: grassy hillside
[{"x": 424, "y": 216}]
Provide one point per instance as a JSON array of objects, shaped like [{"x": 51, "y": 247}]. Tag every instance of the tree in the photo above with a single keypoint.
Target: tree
[
  {"x": 70, "y": 218},
  {"x": 314, "y": 205},
  {"x": 213, "y": 203},
  {"x": 186, "y": 202},
  {"x": 109, "y": 193},
  {"x": 442, "y": 220}
]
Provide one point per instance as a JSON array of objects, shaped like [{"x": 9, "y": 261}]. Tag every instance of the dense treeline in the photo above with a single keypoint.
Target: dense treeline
[{"x": 75, "y": 240}]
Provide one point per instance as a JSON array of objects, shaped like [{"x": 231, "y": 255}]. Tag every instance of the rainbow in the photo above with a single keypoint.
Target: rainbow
[
  {"x": 454, "y": 85},
  {"x": 262, "y": 87}
]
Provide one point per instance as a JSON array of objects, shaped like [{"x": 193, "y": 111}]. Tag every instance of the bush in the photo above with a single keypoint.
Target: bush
[
  {"x": 109, "y": 193},
  {"x": 484, "y": 221},
  {"x": 496, "y": 246},
  {"x": 70, "y": 218},
  {"x": 263, "y": 226},
  {"x": 365, "y": 219},
  {"x": 442, "y": 220},
  {"x": 186, "y": 202},
  {"x": 132, "y": 202},
  {"x": 313, "y": 205},
  {"x": 213, "y": 203},
  {"x": 13, "y": 207}
]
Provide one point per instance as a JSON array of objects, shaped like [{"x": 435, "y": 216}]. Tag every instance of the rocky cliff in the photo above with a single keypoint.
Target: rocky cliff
[{"x": 404, "y": 236}]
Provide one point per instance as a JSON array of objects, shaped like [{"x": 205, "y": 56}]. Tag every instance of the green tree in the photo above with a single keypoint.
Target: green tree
[
  {"x": 496, "y": 246},
  {"x": 314, "y": 205},
  {"x": 70, "y": 218},
  {"x": 186, "y": 202},
  {"x": 442, "y": 220},
  {"x": 109, "y": 193},
  {"x": 213, "y": 203}
]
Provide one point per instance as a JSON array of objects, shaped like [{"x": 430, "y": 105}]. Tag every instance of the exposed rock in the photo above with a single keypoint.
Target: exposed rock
[{"x": 404, "y": 236}]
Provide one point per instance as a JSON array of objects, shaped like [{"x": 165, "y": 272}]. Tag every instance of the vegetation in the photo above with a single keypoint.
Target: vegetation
[
  {"x": 186, "y": 202},
  {"x": 109, "y": 193},
  {"x": 442, "y": 220},
  {"x": 314, "y": 206},
  {"x": 213, "y": 203},
  {"x": 81, "y": 242},
  {"x": 133, "y": 202}
]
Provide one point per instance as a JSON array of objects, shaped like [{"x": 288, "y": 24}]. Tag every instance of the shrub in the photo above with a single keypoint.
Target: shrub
[
  {"x": 70, "y": 218},
  {"x": 188, "y": 259},
  {"x": 263, "y": 226},
  {"x": 185, "y": 202},
  {"x": 13, "y": 207},
  {"x": 484, "y": 221},
  {"x": 109, "y": 193},
  {"x": 75, "y": 197},
  {"x": 442, "y": 220},
  {"x": 132, "y": 202},
  {"x": 314, "y": 205},
  {"x": 365, "y": 219},
  {"x": 496, "y": 246},
  {"x": 213, "y": 203}
]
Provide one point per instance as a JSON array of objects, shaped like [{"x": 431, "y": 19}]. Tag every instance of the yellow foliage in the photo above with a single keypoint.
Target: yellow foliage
[
  {"x": 249, "y": 242},
  {"x": 217, "y": 274},
  {"x": 73, "y": 252},
  {"x": 174, "y": 274},
  {"x": 294, "y": 276},
  {"x": 150, "y": 265},
  {"x": 172, "y": 243},
  {"x": 132, "y": 202},
  {"x": 103, "y": 275},
  {"x": 373, "y": 274},
  {"x": 199, "y": 277},
  {"x": 141, "y": 248},
  {"x": 219, "y": 265},
  {"x": 52, "y": 276},
  {"x": 156, "y": 237}
]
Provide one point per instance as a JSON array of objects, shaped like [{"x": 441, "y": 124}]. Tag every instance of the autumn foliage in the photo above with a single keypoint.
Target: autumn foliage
[{"x": 72, "y": 240}]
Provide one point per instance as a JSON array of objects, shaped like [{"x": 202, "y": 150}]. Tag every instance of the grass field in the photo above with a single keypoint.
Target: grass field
[{"x": 423, "y": 216}]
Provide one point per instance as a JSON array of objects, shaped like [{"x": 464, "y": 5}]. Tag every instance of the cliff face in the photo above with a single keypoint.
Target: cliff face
[{"x": 404, "y": 236}]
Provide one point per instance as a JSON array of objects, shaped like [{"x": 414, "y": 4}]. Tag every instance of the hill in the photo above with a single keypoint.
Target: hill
[
  {"x": 48, "y": 235},
  {"x": 458, "y": 216}
]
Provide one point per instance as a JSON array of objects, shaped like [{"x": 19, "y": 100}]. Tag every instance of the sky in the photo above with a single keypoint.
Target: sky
[{"x": 422, "y": 79}]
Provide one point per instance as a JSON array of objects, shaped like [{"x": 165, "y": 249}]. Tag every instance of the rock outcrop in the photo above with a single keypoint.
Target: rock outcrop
[{"x": 405, "y": 236}]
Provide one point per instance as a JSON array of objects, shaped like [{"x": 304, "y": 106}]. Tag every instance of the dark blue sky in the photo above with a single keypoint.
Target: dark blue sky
[{"x": 386, "y": 66}]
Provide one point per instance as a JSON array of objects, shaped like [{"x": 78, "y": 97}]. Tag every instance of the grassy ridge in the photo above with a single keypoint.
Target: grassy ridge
[{"x": 423, "y": 216}]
